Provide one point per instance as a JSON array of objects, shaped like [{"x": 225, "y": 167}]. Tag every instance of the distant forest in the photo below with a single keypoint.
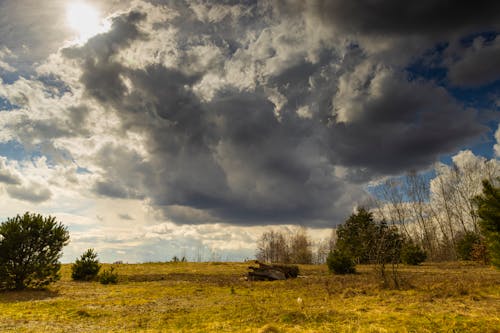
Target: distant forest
[{"x": 433, "y": 210}]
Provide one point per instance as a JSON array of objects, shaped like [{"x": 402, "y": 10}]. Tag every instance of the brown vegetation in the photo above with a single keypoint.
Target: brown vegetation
[{"x": 214, "y": 297}]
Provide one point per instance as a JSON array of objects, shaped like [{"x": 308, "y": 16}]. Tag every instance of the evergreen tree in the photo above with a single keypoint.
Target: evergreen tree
[
  {"x": 340, "y": 263},
  {"x": 488, "y": 210},
  {"x": 87, "y": 267},
  {"x": 30, "y": 249},
  {"x": 355, "y": 237}
]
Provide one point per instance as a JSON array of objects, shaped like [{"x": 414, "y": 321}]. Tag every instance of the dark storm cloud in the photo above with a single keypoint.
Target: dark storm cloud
[
  {"x": 478, "y": 65},
  {"x": 394, "y": 124},
  {"x": 309, "y": 84},
  {"x": 271, "y": 164},
  {"x": 394, "y": 17},
  {"x": 235, "y": 157},
  {"x": 230, "y": 157}
]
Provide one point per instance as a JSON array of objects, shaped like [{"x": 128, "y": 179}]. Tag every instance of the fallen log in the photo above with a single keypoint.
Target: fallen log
[{"x": 267, "y": 272}]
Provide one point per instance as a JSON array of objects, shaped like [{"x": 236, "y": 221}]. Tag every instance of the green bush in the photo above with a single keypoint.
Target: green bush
[
  {"x": 87, "y": 267},
  {"x": 30, "y": 248},
  {"x": 108, "y": 276},
  {"x": 412, "y": 254},
  {"x": 340, "y": 263}
]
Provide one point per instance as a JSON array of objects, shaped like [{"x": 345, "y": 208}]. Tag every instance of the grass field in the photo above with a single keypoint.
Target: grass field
[{"x": 213, "y": 297}]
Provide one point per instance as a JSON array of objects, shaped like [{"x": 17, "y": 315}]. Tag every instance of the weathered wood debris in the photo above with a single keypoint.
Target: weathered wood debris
[{"x": 267, "y": 272}]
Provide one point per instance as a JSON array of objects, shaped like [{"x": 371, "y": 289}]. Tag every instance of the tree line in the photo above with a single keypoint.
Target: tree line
[
  {"x": 279, "y": 247},
  {"x": 418, "y": 216},
  {"x": 440, "y": 213}
]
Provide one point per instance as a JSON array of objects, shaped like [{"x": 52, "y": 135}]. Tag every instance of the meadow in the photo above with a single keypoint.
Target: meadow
[{"x": 214, "y": 297}]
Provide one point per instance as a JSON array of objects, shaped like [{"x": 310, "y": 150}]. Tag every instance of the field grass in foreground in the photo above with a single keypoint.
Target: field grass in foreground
[{"x": 213, "y": 297}]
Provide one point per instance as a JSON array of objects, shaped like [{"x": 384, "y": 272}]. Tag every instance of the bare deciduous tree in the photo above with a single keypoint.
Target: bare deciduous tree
[
  {"x": 272, "y": 247},
  {"x": 434, "y": 212},
  {"x": 277, "y": 247},
  {"x": 300, "y": 247},
  {"x": 392, "y": 206},
  {"x": 417, "y": 187}
]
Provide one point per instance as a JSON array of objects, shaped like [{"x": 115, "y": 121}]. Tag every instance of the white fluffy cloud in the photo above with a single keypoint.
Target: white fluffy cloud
[{"x": 497, "y": 144}]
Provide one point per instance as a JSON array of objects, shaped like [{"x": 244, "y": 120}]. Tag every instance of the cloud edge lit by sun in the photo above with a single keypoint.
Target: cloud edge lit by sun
[{"x": 85, "y": 20}]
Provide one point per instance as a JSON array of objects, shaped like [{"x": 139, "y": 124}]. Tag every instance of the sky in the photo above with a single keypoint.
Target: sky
[{"x": 161, "y": 128}]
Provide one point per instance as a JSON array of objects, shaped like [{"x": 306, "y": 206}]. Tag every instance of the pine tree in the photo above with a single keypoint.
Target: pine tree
[
  {"x": 30, "y": 249},
  {"x": 488, "y": 210},
  {"x": 86, "y": 268},
  {"x": 355, "y": 236}
]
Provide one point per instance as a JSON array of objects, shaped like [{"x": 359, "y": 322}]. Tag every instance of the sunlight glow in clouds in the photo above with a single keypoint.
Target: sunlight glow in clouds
[{"x": 85, "y": 20}]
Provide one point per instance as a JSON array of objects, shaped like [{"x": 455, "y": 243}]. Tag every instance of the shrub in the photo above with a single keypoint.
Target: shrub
[
  {"x": 465, "y": 244},
  {"x": 340, "y": 263},
  {"x": 412, "y": 254},
  {"x": 87, "y": 267},
  {"x": 30, "y": 248},
  {"x": 108, "y": 276},
  {"x": 480, "y": 253}
]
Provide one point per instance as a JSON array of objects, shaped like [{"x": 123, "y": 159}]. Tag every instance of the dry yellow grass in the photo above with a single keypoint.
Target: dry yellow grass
[{"x": 213, "y": 297}]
